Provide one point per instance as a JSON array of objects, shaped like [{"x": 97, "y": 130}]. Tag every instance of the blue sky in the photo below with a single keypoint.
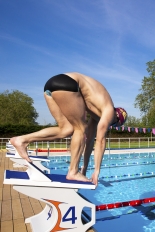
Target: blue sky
[{"x": 108, "y": 40}]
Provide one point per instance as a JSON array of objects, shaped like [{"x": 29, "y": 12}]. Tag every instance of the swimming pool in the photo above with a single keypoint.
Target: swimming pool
[{"x": 123, "y": 177}]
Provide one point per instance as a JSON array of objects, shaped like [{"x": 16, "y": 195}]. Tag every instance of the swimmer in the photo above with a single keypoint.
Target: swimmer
[{"x": 69, "y": 96}]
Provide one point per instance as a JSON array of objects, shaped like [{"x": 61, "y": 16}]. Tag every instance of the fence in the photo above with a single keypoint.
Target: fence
[
  {"x": 56, "y": 144},
  {"x": 112, "y": 143},
  {"x": 141, "y": 142}
]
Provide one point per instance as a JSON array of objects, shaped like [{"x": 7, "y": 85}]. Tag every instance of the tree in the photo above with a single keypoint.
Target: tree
[
  {"x": 133, "y": 122},
  {"x": 145, "y": 101},
  {"x": 17, "y": 108}
]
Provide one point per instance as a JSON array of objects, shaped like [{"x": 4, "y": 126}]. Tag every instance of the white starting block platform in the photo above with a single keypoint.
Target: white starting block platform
[
  {"x": 19, "y": 162},
  {"x": 63, "y": 211}
]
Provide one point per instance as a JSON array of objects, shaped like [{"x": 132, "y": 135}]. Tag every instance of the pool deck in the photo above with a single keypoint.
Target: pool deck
[{"x": 14, "y": 206}]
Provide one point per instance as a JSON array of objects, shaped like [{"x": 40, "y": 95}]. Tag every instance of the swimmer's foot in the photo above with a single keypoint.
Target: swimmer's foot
[
  {"x": 21, "y": 147},
  {"x": 78, "y": 176}
]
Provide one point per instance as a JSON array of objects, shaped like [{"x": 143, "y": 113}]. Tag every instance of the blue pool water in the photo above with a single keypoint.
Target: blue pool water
[{"x": 123, "y": 177}]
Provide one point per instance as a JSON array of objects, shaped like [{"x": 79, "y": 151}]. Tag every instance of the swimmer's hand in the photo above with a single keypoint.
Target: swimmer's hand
[{"x": 94, "y": 178}]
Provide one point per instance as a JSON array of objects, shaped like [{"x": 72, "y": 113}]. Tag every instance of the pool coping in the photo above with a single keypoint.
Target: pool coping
[{"x": 111, "y": 151}]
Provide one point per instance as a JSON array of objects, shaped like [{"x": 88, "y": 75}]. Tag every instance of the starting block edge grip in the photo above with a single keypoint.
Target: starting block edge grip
[{"x": 35, "y": 174}]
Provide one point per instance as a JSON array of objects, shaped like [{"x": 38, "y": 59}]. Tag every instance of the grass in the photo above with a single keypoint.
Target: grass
[{"x": 133, "y": 144}]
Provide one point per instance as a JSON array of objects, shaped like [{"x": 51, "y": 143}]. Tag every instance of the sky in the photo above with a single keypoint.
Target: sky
[{"x": 108, "y": 40}]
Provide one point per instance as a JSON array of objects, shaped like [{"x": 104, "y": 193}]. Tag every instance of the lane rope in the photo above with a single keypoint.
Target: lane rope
[
  {"x": 125, "y": 204},
  {"x": 128, "y": 175}
]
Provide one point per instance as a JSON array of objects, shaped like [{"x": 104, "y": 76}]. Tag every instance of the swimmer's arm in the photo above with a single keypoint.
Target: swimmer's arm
[{"x": 100, "y": 144}]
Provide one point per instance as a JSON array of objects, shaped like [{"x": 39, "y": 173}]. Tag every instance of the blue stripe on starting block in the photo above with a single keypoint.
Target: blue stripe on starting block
[
  {"x": 62, "y": 179},
  {"x": 53, "y": 177},
  {"x": 8, "y": 153},
  {"x": 16, "y": 175}
]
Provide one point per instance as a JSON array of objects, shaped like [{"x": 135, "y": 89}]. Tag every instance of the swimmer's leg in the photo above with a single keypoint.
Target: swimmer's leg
[
  {"x": 48, "y": 134},
  {"x": 91, "y": 133},
  {"x": 73, "y": 107}
]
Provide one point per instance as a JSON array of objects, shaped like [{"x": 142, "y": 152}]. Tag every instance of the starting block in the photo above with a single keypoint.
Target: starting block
[
  {"x": 63, "y": 211},
  {"x": 10, "y": 148},
  {"x": 20, "y": 162}
]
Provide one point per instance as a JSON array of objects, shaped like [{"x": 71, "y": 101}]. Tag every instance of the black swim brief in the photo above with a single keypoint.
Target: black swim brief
[{"x": 61, "y": 82}]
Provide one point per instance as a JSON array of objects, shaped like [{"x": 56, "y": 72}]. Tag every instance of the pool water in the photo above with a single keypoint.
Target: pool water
[{"x": 123, "y": 177}]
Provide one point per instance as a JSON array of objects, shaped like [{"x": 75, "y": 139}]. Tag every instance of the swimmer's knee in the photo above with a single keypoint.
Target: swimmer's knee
[
  {"x": 81, "y": 130},
  {"x": 69, "y": 130},
  {"x": 66, "y": 130}
]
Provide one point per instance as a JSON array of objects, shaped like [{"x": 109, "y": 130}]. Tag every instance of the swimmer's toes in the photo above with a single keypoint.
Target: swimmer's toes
[{"x": 78, "y": 177}]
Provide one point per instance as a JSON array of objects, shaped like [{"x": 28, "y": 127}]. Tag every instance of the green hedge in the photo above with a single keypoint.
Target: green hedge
[{"x": 7, "y": 131}]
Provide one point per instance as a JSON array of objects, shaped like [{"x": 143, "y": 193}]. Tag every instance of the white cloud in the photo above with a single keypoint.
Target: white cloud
[{"x": 134, "y": 18}]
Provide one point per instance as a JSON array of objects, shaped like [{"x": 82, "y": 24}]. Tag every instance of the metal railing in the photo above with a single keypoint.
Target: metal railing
[
  {"x": 112, "y": 143},
  {"x": 56, "y": 144},
  {"x": 139, "y": 142}
]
